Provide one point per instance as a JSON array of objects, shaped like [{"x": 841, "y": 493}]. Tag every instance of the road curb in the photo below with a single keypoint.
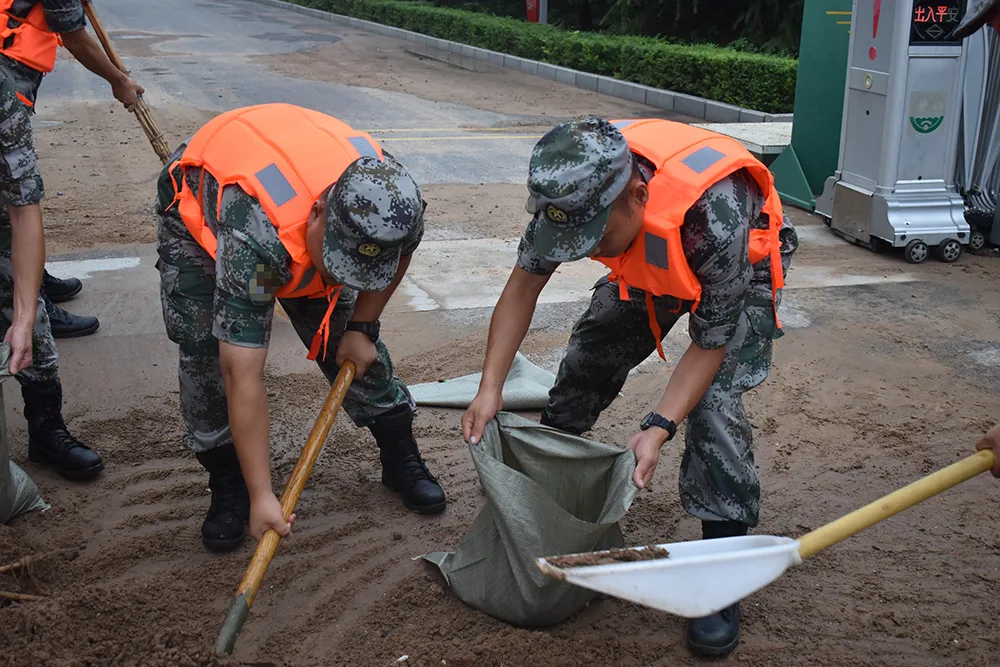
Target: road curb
[{"x": 699, "y": 107}]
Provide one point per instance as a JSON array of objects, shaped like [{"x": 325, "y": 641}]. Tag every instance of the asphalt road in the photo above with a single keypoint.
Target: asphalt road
[{"x": 197, "y": 53}]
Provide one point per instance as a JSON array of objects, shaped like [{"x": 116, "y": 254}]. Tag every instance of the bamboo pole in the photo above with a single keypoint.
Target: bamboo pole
[{"x": 141, "y": 110}]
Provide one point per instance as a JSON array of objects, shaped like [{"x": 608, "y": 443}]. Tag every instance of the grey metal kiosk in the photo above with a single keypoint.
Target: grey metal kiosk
[{"x": 895, "y": 182}]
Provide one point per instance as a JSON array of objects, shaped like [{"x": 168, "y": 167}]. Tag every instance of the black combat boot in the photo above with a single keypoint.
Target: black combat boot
[
  {"x": 224, "y": 528},
  {"x": 403, "y": 469},
  {"x": 717, "y": 635},
  {"x": 60, "y": 289},
  {"x": 49, "y": 442},
  {"x": 68, "y": 325}
]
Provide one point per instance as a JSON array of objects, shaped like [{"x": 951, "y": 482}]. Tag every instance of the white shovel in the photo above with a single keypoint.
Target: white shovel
[{"x": 701, "y": 577}]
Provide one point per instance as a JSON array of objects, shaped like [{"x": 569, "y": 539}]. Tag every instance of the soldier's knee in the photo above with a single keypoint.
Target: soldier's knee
[{"x": 564, "y": 423}]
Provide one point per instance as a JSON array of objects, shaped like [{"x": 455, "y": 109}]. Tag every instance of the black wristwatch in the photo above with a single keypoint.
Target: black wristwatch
[
  {"x": 653, "y": 419},
  {"x": 370, "y": 329}
]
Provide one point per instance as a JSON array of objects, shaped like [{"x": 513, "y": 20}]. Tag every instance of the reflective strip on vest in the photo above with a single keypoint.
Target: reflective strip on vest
[
  {"x": 656, "y": 251},
  {"x": 702, "y": 159},
  {"x": 622, "y": 124},
  {"x": 363, "y": 146},
  {"x": 278, "y": 188}
]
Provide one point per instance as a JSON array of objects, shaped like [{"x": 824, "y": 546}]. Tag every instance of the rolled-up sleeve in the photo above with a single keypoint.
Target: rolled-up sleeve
[
  {"x": 716, "y": 236},
  {"x": 63, "y": 15},
  {"x": 529, "y": 259},
  {"x": 251, "y": 266}
]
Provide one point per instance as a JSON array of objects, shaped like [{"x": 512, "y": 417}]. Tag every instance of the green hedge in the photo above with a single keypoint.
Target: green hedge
[{"x": 764, "y": 83}]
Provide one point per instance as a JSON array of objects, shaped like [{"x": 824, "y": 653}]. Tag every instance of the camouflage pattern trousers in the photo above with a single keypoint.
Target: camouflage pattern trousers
[
  {"x": 187, "y": 285},
  {"x": 17, "y": 162},
  {"x": 44, "y": 367},
  {"x": 718, "y": 480}
]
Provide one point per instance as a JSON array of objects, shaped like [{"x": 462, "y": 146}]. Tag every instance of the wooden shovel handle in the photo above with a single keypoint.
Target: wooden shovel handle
[
  {"x": 303, "y": 467},
  {"x": 895, "y": 502},
  {"x": 142, "y": 111},
  {"x": 102, "y": 35},
  {"x": 240, "y": 607}
]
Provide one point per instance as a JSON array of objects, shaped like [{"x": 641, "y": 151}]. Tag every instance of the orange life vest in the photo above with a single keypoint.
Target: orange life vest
[
  {"x": 688, "y": 160},
  {"x": 34, "y": 44},
  {"x": 284, "y": 156}
]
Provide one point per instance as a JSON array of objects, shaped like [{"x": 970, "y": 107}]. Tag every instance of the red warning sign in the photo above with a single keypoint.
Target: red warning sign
[{"x": 532, "y": 7}]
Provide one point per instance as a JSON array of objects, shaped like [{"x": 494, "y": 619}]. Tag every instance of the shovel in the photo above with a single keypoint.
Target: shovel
[
  {"x": 701, "y": 577},
  {"x": 268, "y": 544}
]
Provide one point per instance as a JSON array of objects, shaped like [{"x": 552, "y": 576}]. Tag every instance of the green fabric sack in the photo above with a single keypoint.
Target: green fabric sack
[
  {"x": 18, "y": 493},
  {"x": 548, "y": 493}
]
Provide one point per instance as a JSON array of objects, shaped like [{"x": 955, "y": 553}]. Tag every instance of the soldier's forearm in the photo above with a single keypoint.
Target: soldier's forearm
[
  {"x": 27, "y": 256},
  {"x": 689, "y": 381},
  {"x": 369, "y": 305},
  {"x": 89, "y": 53},
  {"x": 249, "y": 421},
  {"x": 509, "y": 324}
]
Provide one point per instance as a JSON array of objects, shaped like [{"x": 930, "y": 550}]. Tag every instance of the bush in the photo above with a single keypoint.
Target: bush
[{"x": 755, "y": 81}]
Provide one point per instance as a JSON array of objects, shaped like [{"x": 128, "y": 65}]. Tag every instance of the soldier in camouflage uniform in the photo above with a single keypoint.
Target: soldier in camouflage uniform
[
  {"x": 49, "y": 441},
  {"x": 731, "y": 331},
  {"x": 228, "y": 302},
  {"x": 21, "y": 187},
  {"x": 67, "y": 19}
]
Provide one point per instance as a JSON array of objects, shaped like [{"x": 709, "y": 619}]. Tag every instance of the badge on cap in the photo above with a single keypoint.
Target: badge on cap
[
  {"x": 369, "y": 249},
  {"x": 556, "y": 215}
]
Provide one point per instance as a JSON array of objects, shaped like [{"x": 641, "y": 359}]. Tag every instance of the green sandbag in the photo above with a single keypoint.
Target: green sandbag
[
  {"x": 548, "y": 493},
  {"x": 18, "y": 493}
]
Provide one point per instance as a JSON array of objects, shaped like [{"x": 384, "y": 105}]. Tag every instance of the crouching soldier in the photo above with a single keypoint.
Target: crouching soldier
[
  {"x": 687, "y": 221},
  {"x": 269, "y": 202}
]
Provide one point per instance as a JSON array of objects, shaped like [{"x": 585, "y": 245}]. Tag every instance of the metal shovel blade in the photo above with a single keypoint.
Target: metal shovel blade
[{"x": 697, "y": 579}]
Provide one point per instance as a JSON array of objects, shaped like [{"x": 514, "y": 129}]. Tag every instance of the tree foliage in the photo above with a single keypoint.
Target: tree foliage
[{"x": 757, "y": 81}]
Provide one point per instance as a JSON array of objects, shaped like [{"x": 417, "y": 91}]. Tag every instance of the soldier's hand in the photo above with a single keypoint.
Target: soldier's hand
[
  {"x": 265, "y": 514},
  {"x": 19, "y": 337},
  {"x": 127, "y": 92},
  {"x": 646, "y": 445},
  {"x": 359, "y": 348},
  {"x": 483, "y": 408},
  {"x": 991, "y": 440}
]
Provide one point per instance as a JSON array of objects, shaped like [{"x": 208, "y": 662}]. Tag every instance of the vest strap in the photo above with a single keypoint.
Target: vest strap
[
  {"x": 622, "y": 287},
  {"x": 323, "y": 333},
  {"x": 777, "y": 277},
  {"x": 178, "y": 187},
  {"x": 654, "y": 325}
]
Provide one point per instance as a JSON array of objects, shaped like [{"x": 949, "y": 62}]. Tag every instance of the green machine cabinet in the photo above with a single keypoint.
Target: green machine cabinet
[{"x": 803, "y": 167}]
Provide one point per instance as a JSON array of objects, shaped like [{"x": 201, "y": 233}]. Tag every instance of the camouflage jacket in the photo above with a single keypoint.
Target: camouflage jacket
[
  {"x": 715, "y": 236},
  {"x": 61, "y": 16}
]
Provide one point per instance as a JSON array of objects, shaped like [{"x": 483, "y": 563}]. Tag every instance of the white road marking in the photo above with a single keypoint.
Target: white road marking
[
  {"x": 85, "y": 267},
  {"x": 457, "y": 274},
  {"x": 805, "y": 277},
  {"x": 819, "y": 235},
  {"x": 988, "y": 356}
]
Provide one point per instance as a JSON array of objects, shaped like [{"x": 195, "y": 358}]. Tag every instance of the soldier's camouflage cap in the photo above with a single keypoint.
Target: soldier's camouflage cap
[
  {"x": 374, "y": 210},
  {"x": 977, "y": 13},
  {"x": 576, "y": 172}
]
